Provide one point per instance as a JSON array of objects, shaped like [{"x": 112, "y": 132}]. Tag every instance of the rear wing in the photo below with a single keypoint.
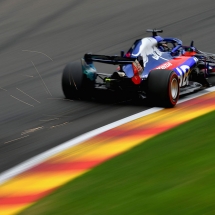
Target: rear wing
[{"x": 114, "y": 60}]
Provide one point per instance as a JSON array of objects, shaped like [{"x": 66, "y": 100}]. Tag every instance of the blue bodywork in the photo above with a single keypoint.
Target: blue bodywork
[
  {"x": 178, "y": 58},
  {"x": 156, "y": 58}
]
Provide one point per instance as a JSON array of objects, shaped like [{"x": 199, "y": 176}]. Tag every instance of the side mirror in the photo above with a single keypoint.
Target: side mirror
[{"x": 174, "y": 50}]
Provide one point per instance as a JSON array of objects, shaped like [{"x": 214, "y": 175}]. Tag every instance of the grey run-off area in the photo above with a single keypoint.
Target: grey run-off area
[{"x": 38, "y": 38}]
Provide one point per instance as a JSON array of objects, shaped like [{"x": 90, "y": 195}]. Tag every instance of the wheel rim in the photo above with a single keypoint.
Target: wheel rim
[{"x": 174, "y": 88}]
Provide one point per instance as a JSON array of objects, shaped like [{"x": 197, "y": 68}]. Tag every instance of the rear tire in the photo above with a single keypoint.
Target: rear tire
[
  {"x": 163, "y": 87},
  {"x": 75, "y": 84}
]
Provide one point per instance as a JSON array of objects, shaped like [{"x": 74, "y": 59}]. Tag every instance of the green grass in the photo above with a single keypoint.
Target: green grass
[{"x": 173, "y": 173}]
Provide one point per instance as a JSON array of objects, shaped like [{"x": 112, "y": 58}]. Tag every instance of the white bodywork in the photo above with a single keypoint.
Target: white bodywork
[{"x": 148, "y": 47}]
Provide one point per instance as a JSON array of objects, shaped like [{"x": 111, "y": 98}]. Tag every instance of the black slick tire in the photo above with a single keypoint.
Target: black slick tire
[
  {"x": 163, "y": 87},
  {"x": 75, "y": 84}
]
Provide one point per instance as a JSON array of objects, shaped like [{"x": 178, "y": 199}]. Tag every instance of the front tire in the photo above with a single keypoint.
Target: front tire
[{"x": 163, "y": 87}]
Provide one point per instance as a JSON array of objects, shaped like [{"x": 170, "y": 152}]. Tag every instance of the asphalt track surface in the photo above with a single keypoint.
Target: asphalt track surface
[{"x": 37, "y": 40}]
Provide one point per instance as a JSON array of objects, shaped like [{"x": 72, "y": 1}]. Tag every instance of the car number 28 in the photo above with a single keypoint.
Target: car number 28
[{"x": 183, "y": 74}]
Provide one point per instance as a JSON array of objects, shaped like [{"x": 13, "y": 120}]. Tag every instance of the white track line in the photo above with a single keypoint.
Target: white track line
[{"x": 24, "y": 166}]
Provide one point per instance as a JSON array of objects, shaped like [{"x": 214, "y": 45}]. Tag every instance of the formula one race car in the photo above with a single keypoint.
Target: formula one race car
[{"x": 158, "y": 68}]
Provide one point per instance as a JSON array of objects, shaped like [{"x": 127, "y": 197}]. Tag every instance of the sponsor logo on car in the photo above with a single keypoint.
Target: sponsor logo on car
[{"x": 164, "y": 66}]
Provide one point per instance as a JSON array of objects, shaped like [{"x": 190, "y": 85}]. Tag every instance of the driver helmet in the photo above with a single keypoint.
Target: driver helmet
[{"x": 162, "y": 46}]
